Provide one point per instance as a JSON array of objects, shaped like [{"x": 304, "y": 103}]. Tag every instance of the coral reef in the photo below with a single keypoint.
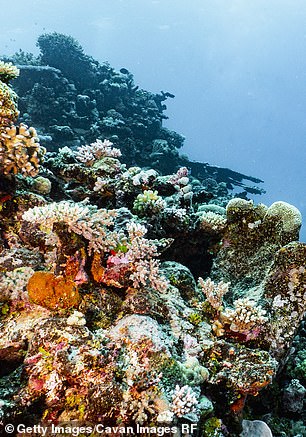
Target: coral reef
[
  {"x": 133, "y": 298},
  {"x": 72, "y": 100}
]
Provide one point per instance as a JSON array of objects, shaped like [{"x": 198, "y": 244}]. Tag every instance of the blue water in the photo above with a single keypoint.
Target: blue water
[{"x": 237, "y": 69}]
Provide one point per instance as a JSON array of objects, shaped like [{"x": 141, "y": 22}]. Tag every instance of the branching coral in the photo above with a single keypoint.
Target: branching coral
[
  {"x": 214, "y": 292},
  {"x": 247, "y": 317},
  {"x": 150, "y": 348},
  {"x": 184, "y": 400},
  {"x": 100, "y": 149},
  {"x": 149, "y": 202},
  {"x": 210, "y": 220},
  {"x": 141, "y": 253},
  {"x": 134, "y": 259},
  {"x": 85, "y": 220},
  {"x": 8, "y": 71},
  {"x": 20, "y": 151}
]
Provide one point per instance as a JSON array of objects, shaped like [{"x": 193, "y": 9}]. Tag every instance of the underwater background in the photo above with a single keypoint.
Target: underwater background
[{"x": 237, "y": 70}]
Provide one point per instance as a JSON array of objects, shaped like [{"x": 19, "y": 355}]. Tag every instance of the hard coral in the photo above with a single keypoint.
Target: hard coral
[
  {"x": 20, "y": 151},
  {"x": 85, "y": 220},
  {"x": 8, "y": 105},
  {"x": 52, "y": 292},
  {"x": 266, "y": 267},
  {"x": 149, "y": 202},
  {"x": 98, "y": 150},
  {"x": 8, "y": 71}
]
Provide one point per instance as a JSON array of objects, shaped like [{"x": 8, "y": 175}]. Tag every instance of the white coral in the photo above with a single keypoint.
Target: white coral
[
  {"x": 184, "y": 400},
  {"x": 85, "y": 220},
  {"x": 141, "y": 253},
  {"x": 100, "y": 149},
  {"x": 211, "y": 220},
  {"x": 245, "y": 317},
  {"x": 165, "y": 417},
  {"x": 214, "y": 292},
  {"x": 76, "y": 319},
  {"x": 8, "y": 71},
  {"x": 13, "y": 283}
]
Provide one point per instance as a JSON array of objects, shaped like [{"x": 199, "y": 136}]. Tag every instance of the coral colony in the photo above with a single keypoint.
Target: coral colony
[{"x": 134, "y": 300}]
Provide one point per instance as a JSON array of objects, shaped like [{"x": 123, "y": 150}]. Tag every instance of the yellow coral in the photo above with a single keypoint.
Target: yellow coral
[
  {"x": 8, "y": 105},
  {"x": 20, "y": 151}
]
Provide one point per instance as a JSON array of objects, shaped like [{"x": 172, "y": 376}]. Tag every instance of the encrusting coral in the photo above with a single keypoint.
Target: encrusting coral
[{"x": 106, "y": 323}]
